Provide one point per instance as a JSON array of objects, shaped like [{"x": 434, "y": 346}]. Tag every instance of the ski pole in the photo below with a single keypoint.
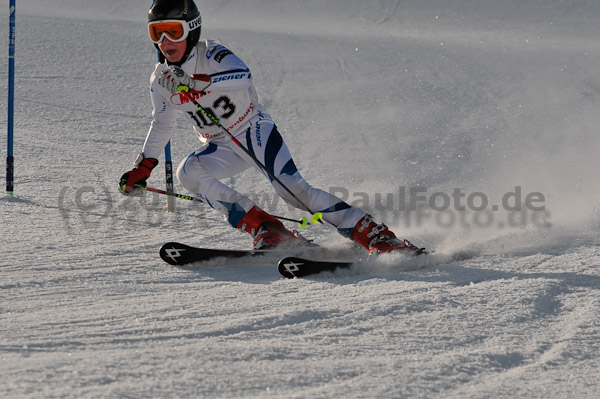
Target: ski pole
[
  {"x": 168, "y": 193},
  {"x": 302, "y": 222},
  {"x": 184, "y": 91}
]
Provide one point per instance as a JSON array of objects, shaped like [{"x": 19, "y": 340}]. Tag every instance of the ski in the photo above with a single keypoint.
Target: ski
[
  {"x": 178, "y": 254},
  {"x": 292, "y": 266}
]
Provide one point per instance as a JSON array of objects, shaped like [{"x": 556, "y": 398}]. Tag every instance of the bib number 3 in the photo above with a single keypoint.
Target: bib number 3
[{"x": 222, "y": 108}]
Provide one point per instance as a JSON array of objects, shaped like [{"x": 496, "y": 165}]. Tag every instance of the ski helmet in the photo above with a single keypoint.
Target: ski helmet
[{"x": 184, "y": 10}]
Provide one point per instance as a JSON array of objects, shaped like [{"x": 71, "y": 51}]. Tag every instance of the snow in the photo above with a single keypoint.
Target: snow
[{"x": 374, "y": 99}]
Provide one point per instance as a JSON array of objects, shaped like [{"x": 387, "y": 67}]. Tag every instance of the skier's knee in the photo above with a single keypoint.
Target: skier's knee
[
  {"x": 186, "y": 177},
  {"x": 296, "y": 185}
]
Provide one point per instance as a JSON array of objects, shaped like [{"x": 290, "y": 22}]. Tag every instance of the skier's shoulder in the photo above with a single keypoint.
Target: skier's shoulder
[{"x": 215, "y": 49}]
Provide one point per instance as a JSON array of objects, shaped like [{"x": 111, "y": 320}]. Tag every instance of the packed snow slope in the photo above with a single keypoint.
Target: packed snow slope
[{"x": 469, "y": 127}]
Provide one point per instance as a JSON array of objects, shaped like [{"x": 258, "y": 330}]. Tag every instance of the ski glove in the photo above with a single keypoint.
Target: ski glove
[
  {"x": 136, "y": 178},
  {"x": 173, "y": 77}
]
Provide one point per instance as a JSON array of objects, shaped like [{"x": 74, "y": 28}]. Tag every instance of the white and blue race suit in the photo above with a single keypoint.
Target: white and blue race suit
[{"x": 232, "y": 98}]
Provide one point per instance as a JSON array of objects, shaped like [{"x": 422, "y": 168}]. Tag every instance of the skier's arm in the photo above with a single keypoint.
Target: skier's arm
[
  {"x": 161, "y": 130},
  {"x": 163, "y": 124},
  {"x": 231, "y": 74}
]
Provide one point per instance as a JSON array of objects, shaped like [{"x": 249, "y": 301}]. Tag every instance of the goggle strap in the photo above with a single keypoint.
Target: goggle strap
[{"x": 196, "y": 23}]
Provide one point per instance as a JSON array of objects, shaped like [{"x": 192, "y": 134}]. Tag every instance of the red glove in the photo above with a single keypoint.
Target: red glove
[{"x": 137, "y": 176}]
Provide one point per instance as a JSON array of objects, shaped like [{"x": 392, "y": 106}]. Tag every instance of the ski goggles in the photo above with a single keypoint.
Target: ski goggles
[{"x": 173, "y": 29}]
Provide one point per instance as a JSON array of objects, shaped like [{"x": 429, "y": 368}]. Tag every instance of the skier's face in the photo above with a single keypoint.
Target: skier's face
[{"x": 172, "y": 51}]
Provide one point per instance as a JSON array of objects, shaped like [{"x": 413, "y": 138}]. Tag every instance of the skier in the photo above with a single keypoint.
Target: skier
[{"x": 222, "y": 83}]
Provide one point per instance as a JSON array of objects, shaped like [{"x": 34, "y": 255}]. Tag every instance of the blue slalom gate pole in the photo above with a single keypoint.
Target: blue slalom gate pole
[
  {"x": 169, "y": 177},
  {"x": 10, "y": 160}
]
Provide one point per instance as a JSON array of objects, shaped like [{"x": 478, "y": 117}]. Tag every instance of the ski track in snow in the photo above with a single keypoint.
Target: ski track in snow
[{"x": 482, "y": 96}]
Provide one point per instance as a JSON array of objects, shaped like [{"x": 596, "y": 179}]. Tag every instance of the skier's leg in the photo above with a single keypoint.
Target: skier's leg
[
  {"x": 265, "y": 141},
  {"x": 200, "y": 174}
]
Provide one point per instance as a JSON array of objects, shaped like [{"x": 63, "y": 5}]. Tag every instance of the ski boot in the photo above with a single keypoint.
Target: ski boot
[
  {"x": 377, "y": 238},
  {"x": 268, "y": 232}
]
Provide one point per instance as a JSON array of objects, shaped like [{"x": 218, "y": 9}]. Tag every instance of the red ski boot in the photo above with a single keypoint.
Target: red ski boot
[
  {"x": 377, "y": 238},
  {"x": 268, "y": 232}
]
